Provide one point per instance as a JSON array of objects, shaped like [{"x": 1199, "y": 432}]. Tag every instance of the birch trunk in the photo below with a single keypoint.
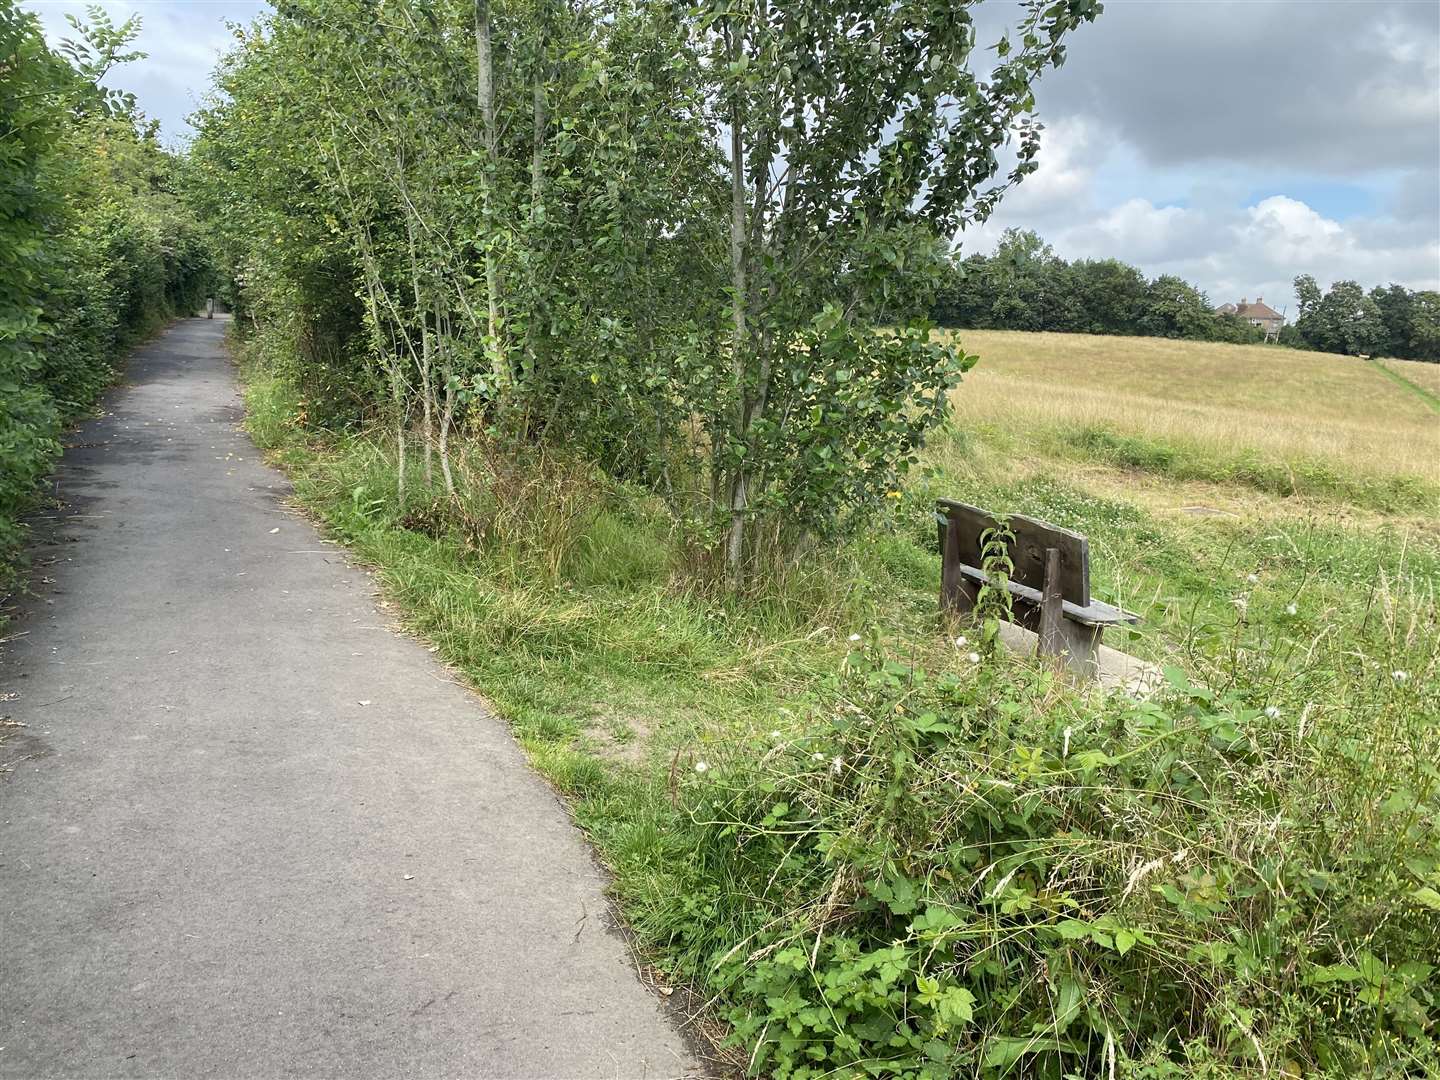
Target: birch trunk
[
  {"x": 739, "y": 481},
  {"x": 485, "y": 98}
]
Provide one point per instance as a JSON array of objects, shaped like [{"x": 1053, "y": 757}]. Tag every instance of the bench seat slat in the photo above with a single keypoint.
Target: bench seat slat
[{"x": 1096, "y": 613}]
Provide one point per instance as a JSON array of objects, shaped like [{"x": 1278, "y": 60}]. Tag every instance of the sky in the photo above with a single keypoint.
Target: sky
[{"x": 1236, "y": 144}]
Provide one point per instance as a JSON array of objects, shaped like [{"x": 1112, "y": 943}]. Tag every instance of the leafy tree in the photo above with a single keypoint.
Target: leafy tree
[
  {"x": 1412, "y": 322},
  {"x": 1109, "y": 296},
  {"x": 525, "y": 205},
  {"x": 1029, "y": 284},
  {"x": 1024, "y": 285},
  {"x": 1174, "y": 308},
  {"x": 1308, "y": 295},
  {"x": 847, "y": 126},
  {"x": 1394, "y": 303},
  {"x": 1424, "y": 339},
  {"x": 1344, "y": 320}
]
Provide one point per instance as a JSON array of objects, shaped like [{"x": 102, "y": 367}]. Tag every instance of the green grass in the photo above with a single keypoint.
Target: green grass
[{"x": 567, "y": 603}]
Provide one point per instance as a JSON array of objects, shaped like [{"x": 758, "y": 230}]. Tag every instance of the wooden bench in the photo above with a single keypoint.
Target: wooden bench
[{"x": 1049, "y": 586}]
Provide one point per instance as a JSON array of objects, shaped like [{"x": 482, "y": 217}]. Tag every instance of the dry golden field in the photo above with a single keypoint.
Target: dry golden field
[{"x": 1218, "y": 401}]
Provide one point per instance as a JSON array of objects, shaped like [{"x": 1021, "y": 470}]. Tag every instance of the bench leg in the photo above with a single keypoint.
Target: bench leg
[
  {"x": 1052, "y": 608},
  {"x": 957, "y": 593},
  {"x": 1077, "y": 644},
  {"x": 1080, "y": 646}
]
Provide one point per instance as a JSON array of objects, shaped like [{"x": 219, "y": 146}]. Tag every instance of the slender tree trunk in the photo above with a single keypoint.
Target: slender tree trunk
[
  {"x": 537, "y": 143},
  {"x": 739, "y": 481},
  {"x": 485, "y": 98},
  {"x": 392, "y": 368},
  {"x": 534, "y": 308},
  {"x": 427, "y": 386},
  {"x": 447, "y": 409}
]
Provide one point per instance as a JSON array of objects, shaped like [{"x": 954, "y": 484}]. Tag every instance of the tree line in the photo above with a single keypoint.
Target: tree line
[
  {"x": 96, "y": 246},
  {"x": 661, "y": 235},
  {"x": 1024, "y": 285},
  {"x": 1390, "y": 320}
]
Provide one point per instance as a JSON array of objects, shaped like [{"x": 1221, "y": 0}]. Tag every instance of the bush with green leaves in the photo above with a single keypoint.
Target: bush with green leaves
[
  {"x": 982, "y": 873},
  {"x": 95, "y": 250}
]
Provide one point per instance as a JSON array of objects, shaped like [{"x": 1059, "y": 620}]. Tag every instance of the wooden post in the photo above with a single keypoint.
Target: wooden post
[
  {"x": 957, "y": 593},
  {"x": 210, "y": 307},
  {"x": 952, "y": 594},
  {"x": 1082, "y": 648},
  {"x": 1052, "y": 634}
]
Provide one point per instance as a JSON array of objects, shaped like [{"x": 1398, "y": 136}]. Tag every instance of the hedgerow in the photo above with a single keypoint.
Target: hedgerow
[{"x": 95, "y": 251}]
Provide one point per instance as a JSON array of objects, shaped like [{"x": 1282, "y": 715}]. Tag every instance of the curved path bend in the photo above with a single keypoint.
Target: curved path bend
[{"x": 247, "y": 830}]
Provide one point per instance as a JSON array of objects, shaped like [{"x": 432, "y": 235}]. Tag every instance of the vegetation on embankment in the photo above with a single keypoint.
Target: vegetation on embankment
[
  {"x": 910, "y": 854},
  {"x": 95, "y": 250}
]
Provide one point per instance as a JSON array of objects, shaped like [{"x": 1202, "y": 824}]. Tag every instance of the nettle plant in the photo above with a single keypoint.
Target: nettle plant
[{"x": 857, "y": 134}]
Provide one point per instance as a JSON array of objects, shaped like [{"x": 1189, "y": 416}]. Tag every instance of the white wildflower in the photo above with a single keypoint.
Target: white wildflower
[
  {"x": 1065, "y": 744},
  {"x": 1253, "y": 579},
  {"x": 702, "y": 766},
  {"x": 775, "y": 736},
  {"x": 1241, "y": 604},
  {"x": 1272, "y": 711},
  {"x": 1399, "y": 676},
  {"x": 817, "y": 757},
  {"x": 854, "y": 637},
  {"x": 974, "y": 658},
  {"x": 836, "y": 764},
  {"x": 961, "y": 641},
  {"x": 1291, "y": 609}
]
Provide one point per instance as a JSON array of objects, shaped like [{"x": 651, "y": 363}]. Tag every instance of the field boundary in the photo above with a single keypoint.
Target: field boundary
[{"x": 1425, "y": 395}]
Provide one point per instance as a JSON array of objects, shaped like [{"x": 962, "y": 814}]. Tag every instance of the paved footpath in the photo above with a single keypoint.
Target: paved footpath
[{"x": 246, "y": 829}]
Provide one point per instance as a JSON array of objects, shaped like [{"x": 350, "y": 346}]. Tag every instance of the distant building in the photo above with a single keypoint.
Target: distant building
[{"x": 1258, "y": 314}]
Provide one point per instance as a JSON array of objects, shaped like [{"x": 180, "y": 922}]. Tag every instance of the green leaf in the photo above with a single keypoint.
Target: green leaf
[
  {"x": 1427, "y": 896},
  {"x": 956, "y": 1005}
]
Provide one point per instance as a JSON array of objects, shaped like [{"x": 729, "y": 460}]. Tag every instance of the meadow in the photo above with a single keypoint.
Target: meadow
[
  {"x": 870, "y": 841},
  {"x": 1212, "y": 405}
]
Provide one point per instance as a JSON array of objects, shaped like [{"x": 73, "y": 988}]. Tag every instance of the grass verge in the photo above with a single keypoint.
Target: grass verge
[{"x": 883, "y": 847}]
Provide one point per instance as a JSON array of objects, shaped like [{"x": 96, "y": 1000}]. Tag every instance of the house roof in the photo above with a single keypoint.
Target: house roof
[{"x": 1257, "y": 310}]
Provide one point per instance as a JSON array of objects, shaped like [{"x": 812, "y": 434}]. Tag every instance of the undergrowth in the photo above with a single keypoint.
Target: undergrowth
[{"x": 883, "y": 849}]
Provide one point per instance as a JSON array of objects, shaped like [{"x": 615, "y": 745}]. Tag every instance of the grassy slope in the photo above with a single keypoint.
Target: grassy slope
[
  {"x": 615, "y": 676},
  {"x": 1305, "y": 412}
]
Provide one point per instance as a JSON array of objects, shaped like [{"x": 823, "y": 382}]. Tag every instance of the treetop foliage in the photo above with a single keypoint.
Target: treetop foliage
[{"x": 1024, "y": 285}]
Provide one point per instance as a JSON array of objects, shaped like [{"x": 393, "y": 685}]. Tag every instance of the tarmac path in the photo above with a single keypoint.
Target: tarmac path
[{"x": 248, "y": 830}]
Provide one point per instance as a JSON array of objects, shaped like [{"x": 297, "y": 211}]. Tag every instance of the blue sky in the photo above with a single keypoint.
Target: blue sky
[{"x": 1234, "y": 143}]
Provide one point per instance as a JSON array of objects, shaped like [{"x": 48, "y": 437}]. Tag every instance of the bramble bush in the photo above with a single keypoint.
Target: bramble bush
[{"x": 982, "y": 873}]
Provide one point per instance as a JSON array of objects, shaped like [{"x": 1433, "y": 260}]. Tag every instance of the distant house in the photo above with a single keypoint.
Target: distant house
[{"x": 1258, "y": 314}]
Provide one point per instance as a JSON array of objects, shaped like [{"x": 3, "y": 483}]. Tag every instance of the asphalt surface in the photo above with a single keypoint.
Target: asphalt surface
[{"x": 249, "y": 830}]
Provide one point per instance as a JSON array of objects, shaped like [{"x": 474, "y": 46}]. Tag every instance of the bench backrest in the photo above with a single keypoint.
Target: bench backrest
[{"x": 1032, "y": 537}]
